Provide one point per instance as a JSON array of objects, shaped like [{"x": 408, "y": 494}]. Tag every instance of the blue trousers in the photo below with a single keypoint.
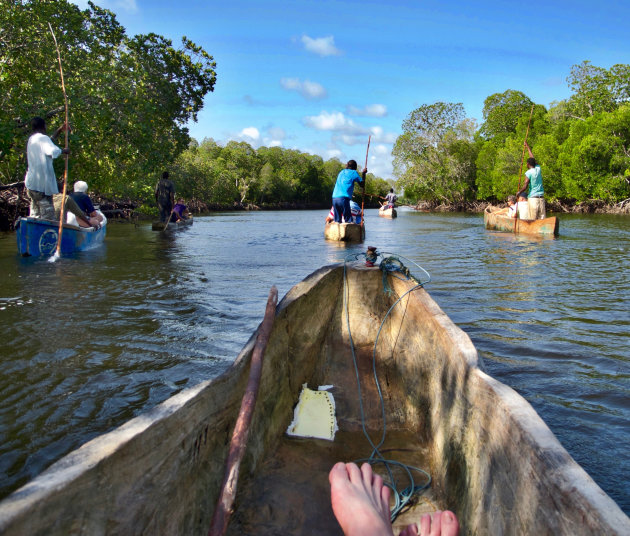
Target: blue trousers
[{"x": 341, "y": 208}]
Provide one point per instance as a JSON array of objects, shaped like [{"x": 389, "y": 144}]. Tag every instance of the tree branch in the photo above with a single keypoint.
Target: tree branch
[{"x": 19, "y": 184}]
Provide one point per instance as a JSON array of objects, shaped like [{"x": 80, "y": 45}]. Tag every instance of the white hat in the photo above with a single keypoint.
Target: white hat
[{"x": 80, "y": 186}]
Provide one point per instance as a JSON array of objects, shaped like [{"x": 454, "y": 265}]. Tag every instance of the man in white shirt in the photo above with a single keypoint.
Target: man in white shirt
[
  {"x": 40, "y": 179},
  {"x": 391, "y": 198}
]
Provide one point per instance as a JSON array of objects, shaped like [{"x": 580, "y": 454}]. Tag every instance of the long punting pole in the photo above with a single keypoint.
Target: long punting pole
[
  {"x": 520, "y": 171},
  {"x": 363, "y": 194},
  {"x": 223, "y": 510},
  {"x": 168, "y": 221},
  {"x": 65, "y": 172}
]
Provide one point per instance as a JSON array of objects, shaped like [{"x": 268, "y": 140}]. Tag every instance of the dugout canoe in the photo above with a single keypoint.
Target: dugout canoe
[
  {"x": 39, "y": 237},
  {"x": 492, "y": 459},
  {"x": 501, "y": 222},
  {"x": 172, "y": 225},
  {"x": 344, "y": 232},
  {"x": 390, "y": 212}
]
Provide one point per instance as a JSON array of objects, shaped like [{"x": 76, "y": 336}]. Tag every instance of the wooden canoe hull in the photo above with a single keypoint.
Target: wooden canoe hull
[
  {"x": 344, "y": 232},
  {"x": 498, "y": 222},
  {"x": 387, "y": 213},
  {"x": 38, "y": 237},
  {"x": 172, "y": 225},
  {"x": 493, "y": 460}
]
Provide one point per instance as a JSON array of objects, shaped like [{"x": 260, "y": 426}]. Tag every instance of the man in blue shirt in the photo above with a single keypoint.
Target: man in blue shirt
[
  {"x": 344, "y": 188},
  {"x": 82, "y": 199},
  {"x": 536, "y": 195}
]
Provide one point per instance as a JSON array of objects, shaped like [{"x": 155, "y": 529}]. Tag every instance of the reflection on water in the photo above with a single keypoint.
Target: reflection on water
[{"x": 93, "y": 340}]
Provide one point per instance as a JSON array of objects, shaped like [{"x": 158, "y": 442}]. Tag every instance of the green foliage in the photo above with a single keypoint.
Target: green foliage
[
  {"x": 595, "y": 158},
  {"x": 596, "y": 89},
  {"x": 129, "y": 97},
  {"x": 434, "y": 158},
  {"x": 485, "y": 163},
  {"x": 582, "y": 144},
  {"x": 238, "y": 173},
  {"x": 501, "y": 113}
]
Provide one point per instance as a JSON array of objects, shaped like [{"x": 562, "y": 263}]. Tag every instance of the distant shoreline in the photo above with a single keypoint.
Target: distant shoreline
[{"x": 130, "y": 210}]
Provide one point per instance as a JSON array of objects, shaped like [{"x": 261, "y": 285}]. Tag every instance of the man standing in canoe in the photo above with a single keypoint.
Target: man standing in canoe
[
  {"x": 356, "y": 213},
  {"x": 344, "y": 188},
  {"x": 391, "y": 198},
  {"x": 165, "y": 197},
  {"x": 536, "y": 195},
  {"x": 40, "y": 179}
]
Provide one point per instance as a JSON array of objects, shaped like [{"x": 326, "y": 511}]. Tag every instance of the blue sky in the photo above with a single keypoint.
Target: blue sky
[{"x": 321, "y": 76}]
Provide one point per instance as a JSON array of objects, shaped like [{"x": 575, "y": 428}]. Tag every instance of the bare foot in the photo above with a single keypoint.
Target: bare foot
[
  {"x": 442, "y": 524},
  {"x": 360, "y": 501}
]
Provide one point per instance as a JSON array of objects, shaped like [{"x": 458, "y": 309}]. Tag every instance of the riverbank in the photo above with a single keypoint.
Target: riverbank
[{"x": 14, "y": 204}]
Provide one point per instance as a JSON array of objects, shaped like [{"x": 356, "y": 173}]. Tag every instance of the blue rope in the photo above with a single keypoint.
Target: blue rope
[{"x": 390, "y": 264}]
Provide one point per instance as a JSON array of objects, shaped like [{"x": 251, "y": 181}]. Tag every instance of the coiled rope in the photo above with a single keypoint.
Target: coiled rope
[{"x": 390, "y": 264}]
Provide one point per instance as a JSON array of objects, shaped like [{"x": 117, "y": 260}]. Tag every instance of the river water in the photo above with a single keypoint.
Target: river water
[{"x": 91, "y": 341}]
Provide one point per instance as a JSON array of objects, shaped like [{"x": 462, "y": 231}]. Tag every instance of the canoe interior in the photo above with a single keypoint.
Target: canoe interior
[
  {"x": 172, "y": 225},
  {"x": 290, "y": 492},
  {"x": 493, "y": 461},
  {"x": 38, "y": 237},
  {"x": 499, "y": 222},
  {"x": 344, "y": 232}
]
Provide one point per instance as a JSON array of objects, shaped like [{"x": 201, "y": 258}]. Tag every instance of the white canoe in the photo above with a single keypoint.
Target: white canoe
[{"x": 493, "y": 461}]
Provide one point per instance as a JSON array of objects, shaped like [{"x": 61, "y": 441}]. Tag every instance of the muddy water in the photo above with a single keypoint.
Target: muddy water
[{"x": 88, "y": 342}]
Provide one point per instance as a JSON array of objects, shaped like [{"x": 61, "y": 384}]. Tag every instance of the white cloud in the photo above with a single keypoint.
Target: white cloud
[
  {"x": 313, "y": 90},
  {"x": 371, "y": 110},
  {"x": 308, "y": 89},
  {"x": 346, "y": 130},
  {"x": 350, "y": 140},
  {"x": 381, "y": 166},
  {"x": 333, "y": 153},
  {"x": 381, "y": 150},
  {"x": 275, "y": 137},
  {"x": 334, "y": 121},
  {"x": 277, "y": 133},
  {"x": 291, "y": 83},
  {"x": 324, "y": 46},
  {"x": 250, "y": 133},
  {"x": 379, "y": 135},
  {"x": 129, "y": 6},
  {"x": 379, "y": 161}
]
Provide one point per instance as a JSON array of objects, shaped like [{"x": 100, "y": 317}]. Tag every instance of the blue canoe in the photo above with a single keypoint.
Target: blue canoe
[{"x": 39, "y": 237}]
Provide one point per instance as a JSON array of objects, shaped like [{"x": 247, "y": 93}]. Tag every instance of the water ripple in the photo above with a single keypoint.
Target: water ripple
[{"x": 91, "y": 341}]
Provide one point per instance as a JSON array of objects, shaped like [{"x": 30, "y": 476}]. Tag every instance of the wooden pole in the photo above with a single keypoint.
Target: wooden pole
[
  {"x": 223, "y": 510},
  {"x": 520, "y": 171},
  {"x": 364, "y": 167},
  {"x": 65, "y": 173},
  {"x": 168, "y": 221},
  {"x": 523, "y": 155}
]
